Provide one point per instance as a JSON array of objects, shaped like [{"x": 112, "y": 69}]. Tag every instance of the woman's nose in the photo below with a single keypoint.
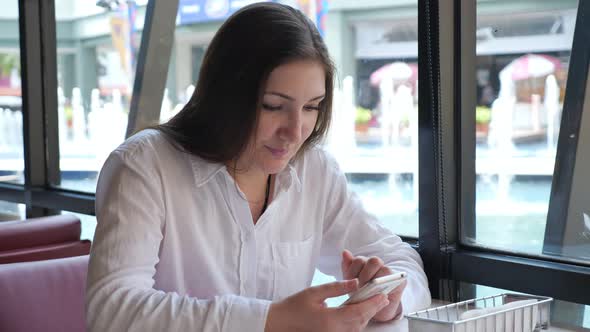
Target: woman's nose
[{"x": 292, "y": 126}]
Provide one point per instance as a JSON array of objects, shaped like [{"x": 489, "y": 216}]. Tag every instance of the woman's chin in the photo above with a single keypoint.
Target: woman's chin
[{"x": 276, "y": 166}]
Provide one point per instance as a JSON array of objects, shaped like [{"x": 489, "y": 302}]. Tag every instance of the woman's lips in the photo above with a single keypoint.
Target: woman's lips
[{"x": 277, "y": 152}]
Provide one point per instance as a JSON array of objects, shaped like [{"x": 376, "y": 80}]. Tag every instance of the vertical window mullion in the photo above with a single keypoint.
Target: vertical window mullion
[
  {"x": 32, "y": 98},
  {"x": 466, "y": 102},
  {"x": 429, "y": 232},
  {"x": 565, "y": 160},
  {"x": 152, "y": 64},
  {"x": 39, "y": 93},
  {"x": 49, "y": 71},
  {"x": 438, "y": 142}
]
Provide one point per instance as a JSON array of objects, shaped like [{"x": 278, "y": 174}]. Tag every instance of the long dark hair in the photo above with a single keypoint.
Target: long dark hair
[{"x": 222, "y": 114}]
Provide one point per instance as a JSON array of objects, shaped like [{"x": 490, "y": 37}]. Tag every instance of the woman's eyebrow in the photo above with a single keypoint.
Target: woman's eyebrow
[
  {"x": 291, "y": 98},
  {"x": 318, "y": 97},
  {"x": 280, "y": 95}
]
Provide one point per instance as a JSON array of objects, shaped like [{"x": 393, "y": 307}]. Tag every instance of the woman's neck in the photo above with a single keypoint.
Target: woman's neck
[
  {"x": 257, "y": 189},
  {"x": 251, "y": 182}
]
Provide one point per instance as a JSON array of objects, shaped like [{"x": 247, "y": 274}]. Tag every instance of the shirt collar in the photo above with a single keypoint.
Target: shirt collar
[
  {"x": 204, "y": 171},
  {"x": 289, "y": 177}
]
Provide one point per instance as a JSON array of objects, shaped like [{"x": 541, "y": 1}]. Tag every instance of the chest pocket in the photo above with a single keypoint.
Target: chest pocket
[{"x": 293, "y": 265}]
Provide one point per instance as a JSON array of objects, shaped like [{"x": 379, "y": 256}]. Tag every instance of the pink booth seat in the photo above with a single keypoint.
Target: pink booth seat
[
  {"x": 41, "y": 238},
  {"x": 51, "y": 251},
  {"x": 43, "y": 295},
  {"x": 39, "y": 231}
]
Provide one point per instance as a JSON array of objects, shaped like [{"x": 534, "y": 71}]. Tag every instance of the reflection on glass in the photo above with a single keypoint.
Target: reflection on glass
[
  {"x": 97, "y": 45},
  {"x": 11, "y": 211},
  {"x": 522, "y": 64},
  {"x": 11, "y": 119},
  {"x": 374, "y": 129}
]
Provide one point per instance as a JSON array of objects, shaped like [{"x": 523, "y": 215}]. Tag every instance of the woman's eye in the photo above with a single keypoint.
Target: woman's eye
[
  {"x": 312, "y": 108},
  {"x": 271, "y": 107}
]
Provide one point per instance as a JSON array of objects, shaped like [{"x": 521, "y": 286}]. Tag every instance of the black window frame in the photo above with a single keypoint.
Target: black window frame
[{"x": 448, "y": 260}]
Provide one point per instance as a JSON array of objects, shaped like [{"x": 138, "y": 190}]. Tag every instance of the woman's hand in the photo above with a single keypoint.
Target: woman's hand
[
  {"x": 366, "y": 269},
  {"x": 307, "y": 311}
]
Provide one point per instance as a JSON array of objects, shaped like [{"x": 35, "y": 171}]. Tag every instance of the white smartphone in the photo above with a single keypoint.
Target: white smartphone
[{"x": 383, "y": 285}]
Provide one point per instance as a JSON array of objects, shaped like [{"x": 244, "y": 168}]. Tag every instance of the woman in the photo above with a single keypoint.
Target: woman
[{"x": 216, "y": 220}]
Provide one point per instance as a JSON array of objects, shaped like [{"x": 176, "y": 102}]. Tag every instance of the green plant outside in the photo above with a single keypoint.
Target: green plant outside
[
  {"x": 483, "y": 115},
  {"x": 7, "y": 62},
  {"x": 363, "y": 115}
]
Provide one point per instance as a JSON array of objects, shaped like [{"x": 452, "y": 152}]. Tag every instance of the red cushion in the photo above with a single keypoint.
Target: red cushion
[
  {"x": 43, "y": 296},
  {"x": 52, "y": 251},
  {"x": 39, "y": 231}
]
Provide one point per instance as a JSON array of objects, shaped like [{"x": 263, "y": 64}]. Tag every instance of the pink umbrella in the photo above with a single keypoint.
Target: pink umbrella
[
  {"x": 531, "y": 66},
  {"x": 399, "y": 71}
]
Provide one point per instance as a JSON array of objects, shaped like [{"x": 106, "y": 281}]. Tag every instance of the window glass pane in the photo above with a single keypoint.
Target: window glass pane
[
  {"x": 11, "y": 119},
  {"x": 374, "y": 134},
  {"x": 97, "y": 46},
  {"x": 374, "y": 129},
  {"x": 523, "y": 55},
  {"x": 12, "y": 211}
]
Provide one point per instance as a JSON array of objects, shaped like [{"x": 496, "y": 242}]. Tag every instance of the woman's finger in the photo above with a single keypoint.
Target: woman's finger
[
  {"x": 362, "y": 311},
  {"x": 356, "y": 267},
  {"x": 383, "y": 271},
  {"x": 396, "y": 294},
  {"x": 393, "y": 310},
  {"x": 369, "y": 271},
  {"x": 337, "y": 288},
  {"x": 347, "y": 258}
]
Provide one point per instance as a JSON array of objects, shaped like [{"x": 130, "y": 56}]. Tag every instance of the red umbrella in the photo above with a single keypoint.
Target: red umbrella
[
  {"x": 531, "y": 66},
  {"x": 399, "y": 71}
]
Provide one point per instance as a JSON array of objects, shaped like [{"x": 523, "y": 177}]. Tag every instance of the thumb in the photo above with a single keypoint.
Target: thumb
[
  {"x": 370, "y": 307},
  {"x": 333, "y": 289}
]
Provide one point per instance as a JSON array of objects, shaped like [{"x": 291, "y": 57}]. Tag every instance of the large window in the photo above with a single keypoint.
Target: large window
[
  {"x": 11, "y": 118},
  {"x": 374, "y": 135},
  {"x": 97, "y": 46},
  {"x": 521, "y": 73},
  {"x": 524, "y": 66}
]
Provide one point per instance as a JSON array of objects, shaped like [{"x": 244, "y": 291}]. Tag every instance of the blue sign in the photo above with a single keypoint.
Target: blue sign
[{"x": 198, "y": 11}]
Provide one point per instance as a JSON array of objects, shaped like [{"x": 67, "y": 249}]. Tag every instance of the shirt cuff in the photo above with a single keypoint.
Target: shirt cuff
[{"x": 246, "y": 314}]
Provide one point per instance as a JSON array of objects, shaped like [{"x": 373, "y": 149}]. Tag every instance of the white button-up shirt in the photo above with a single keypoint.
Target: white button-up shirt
[{"x": 176, "y": 249}]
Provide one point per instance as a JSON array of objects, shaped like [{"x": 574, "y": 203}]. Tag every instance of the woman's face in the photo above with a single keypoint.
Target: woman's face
[{"x": 288, "y": 114}]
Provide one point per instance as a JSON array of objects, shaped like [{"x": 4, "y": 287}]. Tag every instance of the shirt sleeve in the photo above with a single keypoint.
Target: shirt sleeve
[
  {"x": 349, "y": 226},
  {"x": 130, "y": 211}
]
